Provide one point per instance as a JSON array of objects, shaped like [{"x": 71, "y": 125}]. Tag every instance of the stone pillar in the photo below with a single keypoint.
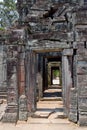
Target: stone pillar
[
  {"x": 40, "y": 76},
  {"x": 31, "y": 81},
  {"x": 11, "y": 113},
  {"x": 23, "y": 115},
  {"x": 66, "y": 78},
  {"x": 45, "y": 80},
  {"x": 21, "y": 71},
  {"x": 60, "y": 75},
  {"x": 49, "y": 75},
  {"x": 64, "y": 83},
  {"x": 73, "y": 114},
  {"x": 82, "y": 82},
  {"x": 1, "y": 65},
  {"x": 27, "y": 77}
]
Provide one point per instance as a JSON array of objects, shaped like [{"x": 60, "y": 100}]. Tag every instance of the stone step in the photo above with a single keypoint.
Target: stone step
[
  {"x": 3, "y": 92},
  {"x": 44, "y": 113},
  {"x": 3, "y": 96},
  {"x": 55, "y": 87},
  {"x": 46, "y": 121},
  {"x": 57, "y": 115},
  {"x": 51, "y": 99}
]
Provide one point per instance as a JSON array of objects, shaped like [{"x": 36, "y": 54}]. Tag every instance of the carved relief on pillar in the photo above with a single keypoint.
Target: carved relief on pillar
[{"x": 11, "y": 113}]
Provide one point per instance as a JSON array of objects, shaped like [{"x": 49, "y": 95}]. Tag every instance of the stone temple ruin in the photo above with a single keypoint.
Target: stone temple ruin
[{"x": 47, "y": 30}]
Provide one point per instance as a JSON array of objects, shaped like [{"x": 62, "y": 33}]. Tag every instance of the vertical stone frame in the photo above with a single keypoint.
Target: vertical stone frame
[
  {"x": 31, "y": 80},
  {"x": 23, "y": 114}
]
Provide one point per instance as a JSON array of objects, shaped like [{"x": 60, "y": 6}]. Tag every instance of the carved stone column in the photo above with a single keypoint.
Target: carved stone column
[{"x": 11, "y": 113}]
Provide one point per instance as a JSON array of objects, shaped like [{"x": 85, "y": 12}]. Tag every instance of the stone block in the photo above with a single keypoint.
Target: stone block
[
  {"x": 82, "y": 67},
  {"x": 10, "y": 117},
  {"x": 12, "y": 109},
  {"x": 81, "y": 33},
  {"x": 67, "y": 52},
  {"x": 81, "y": 80},
  {"x": 70, "y": 36},
  {"x": 81, "y": 18},
  {"x": 22, "y": 101},
  {"x": 73, "y": 105},
  {"x": 82, "y": 57},
  {"x": 23, "y": 115},
  {"x": 82, "y": 90},
  {"x": 73, "y": 116},
  {"x": 82, "y": 104},
  {"x": 82, "y": 119}
]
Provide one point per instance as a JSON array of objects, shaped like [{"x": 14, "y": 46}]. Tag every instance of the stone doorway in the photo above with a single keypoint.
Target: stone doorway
[
  {"x": 51, "y": 95},
  {"x": 39, "y": 61},
  {"x": 44, "y": 31},
  {"x": 50, "y": 103},
  {"x": 34, "y": 78}
]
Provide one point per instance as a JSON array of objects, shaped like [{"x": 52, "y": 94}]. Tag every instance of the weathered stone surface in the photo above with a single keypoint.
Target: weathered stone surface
[
  {"x": 82, "y": 67},
  {"x": 23, "y": 114},
  {"x": 48, "y": 45},
  {"x": 81, "y": 16},
  {"x": 47, "y": 26},
  {"x": 81, "y": 80},
  {"x": 10, "y": 117},
  {"x": 73, "y": 116},
  {"x": 68, "y": 52},
  {"x": 83, "y": 119},
  {"x": 73, "y": 105}
]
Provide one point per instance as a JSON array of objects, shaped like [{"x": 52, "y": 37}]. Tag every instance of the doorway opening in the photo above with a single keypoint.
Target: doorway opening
[
  {"x": 49, "y": 78},
  {"x": 55, "y": 72}
]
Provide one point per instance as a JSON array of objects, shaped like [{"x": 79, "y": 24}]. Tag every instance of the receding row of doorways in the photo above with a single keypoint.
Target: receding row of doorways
[{"x": 51, "y": 100}]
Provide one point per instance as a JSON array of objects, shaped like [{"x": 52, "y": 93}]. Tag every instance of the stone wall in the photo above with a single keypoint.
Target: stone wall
[
  {"x": 46, "y": 26},
  {"x": 82, "y": 83}
]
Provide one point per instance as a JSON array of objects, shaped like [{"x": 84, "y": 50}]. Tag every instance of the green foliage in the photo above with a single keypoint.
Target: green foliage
[
  {"x": 9, "y": 5},
  {"x": 8, "y": 13},
  {"x": 56, "y": 73},
  {"x": 1, "y": 29}
]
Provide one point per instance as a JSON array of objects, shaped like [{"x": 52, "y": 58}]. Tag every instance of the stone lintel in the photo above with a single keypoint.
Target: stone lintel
[{"x": 49, "y": 46}]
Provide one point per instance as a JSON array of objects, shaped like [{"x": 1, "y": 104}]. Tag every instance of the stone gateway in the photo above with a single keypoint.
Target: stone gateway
[{"x": 47, "y": 30}]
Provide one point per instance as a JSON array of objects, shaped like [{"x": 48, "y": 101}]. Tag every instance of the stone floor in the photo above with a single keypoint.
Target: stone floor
[
  {"x": 49, "y": 116},
  {"x": 50, "y": 107}
]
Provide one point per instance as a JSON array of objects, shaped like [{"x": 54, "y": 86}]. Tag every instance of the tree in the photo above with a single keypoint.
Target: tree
[{"x": 8, "y": 13}]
